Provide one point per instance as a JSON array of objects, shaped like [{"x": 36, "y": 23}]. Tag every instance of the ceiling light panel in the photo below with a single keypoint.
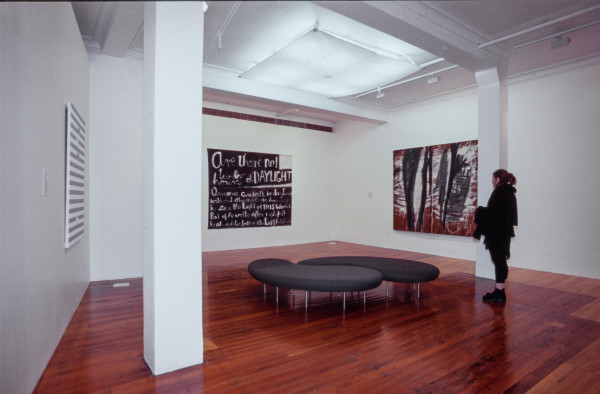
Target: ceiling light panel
[
  {"x": 320, "y": 63},
  {"x": 259, "y": 29}
]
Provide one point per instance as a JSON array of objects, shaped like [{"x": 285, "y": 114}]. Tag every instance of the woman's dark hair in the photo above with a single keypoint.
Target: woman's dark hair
[{"x": 505, "y": 177}]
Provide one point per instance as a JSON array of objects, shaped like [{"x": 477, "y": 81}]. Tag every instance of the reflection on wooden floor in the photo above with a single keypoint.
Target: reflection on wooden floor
[{"x": 545, "y": 339}]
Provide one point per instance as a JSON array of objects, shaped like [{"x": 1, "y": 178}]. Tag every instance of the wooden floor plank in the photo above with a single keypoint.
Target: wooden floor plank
[{"x": 544, "y": 339}]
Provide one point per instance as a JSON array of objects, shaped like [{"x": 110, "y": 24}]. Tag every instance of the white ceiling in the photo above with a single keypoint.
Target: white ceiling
[{"x": 239, "y": 34}]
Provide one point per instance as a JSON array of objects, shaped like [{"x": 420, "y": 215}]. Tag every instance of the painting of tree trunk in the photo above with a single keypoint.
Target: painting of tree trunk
[{"x": 435, "y": 189}]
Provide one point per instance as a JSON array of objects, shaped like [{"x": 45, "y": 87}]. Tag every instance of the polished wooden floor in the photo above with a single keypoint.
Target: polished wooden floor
[{"x": 546, "y": 338}]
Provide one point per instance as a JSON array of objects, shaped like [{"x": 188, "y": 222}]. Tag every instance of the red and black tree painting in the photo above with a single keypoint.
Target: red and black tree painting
[{"x": 435, "y": 188}]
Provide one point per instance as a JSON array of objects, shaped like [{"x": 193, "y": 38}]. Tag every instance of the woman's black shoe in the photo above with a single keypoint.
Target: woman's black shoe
[{"x": 496, "y": 296}]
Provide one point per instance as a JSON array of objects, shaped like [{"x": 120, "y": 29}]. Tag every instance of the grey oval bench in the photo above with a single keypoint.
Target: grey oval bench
[
  {"x": 330, "y": 278},
  {"x": 392, "y": 269}
]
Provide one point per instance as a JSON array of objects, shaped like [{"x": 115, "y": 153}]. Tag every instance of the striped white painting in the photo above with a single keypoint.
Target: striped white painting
[{"x": 75, "y": 177}]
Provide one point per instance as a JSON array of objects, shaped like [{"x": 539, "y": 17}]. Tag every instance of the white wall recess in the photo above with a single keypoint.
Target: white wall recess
[{"x": 75, "y": 177}]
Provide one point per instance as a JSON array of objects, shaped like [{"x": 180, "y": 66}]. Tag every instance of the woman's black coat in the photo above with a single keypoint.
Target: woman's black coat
[{"x": 496, "y": 221}]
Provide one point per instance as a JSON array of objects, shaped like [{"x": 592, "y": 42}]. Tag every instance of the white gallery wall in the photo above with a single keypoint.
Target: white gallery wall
[
  {"x": 553, "y": 120},
  {"x": 43, "y": 66},
  {"x": 554, "y": 136},
  {"x": 116, "y": 97},
  {"x": 364, "y": 158}
]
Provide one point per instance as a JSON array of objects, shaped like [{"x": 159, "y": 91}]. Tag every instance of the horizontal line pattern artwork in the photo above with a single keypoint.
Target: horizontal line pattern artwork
[{"x": 75, "y": 177}]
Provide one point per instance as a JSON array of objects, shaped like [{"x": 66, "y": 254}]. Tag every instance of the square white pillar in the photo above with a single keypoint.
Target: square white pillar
[
  {"x": 172, "y": 165},
  {"x": 493, "y": 147}
]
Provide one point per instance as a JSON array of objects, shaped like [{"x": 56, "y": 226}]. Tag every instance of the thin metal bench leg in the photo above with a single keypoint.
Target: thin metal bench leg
[
  {"x": 344, "y": 300},
  {"x": 277, "y": 294},
  {"x": 387, "y": 290},
  {"x": 264, "y": 288},
  {"x": 306, "y": 299},
  {"x": 365, "y": 297},
  {"x": 418, "y": 290}
]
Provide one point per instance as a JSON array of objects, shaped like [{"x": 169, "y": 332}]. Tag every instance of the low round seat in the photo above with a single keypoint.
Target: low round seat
[
  {"x": 255, "y": 267},
  {"x": 394, "y": 270},
  {"x": 315, "y": 278}
]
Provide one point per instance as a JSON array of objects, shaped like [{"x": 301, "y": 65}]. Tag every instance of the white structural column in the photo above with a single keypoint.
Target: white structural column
[
  {"x": 493, "y": 145},
  {"x": 172, "y": 165}
]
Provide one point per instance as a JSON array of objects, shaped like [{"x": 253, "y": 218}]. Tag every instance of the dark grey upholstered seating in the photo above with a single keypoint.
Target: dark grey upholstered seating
[
  {"x": 338, "y": 278},
  {"x": 256, "y": 267},
  {"x": 319, "y": 278},
  {"x": 394, "y": 270},
  {"x": 341, "y": 273}
]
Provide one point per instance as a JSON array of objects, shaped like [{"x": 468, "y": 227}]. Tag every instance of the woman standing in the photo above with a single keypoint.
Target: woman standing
[{"x": 496, "y": 224}]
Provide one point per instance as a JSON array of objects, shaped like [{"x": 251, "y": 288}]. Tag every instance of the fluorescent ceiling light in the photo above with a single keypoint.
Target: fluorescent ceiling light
[
  {"x": 319, "y": 63},
  {"x": 433, "y": 79},
  {"x": 560, "y": 42},
  {"x": 558, "y": 35},
  {"x": 402, "y": 82}
]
